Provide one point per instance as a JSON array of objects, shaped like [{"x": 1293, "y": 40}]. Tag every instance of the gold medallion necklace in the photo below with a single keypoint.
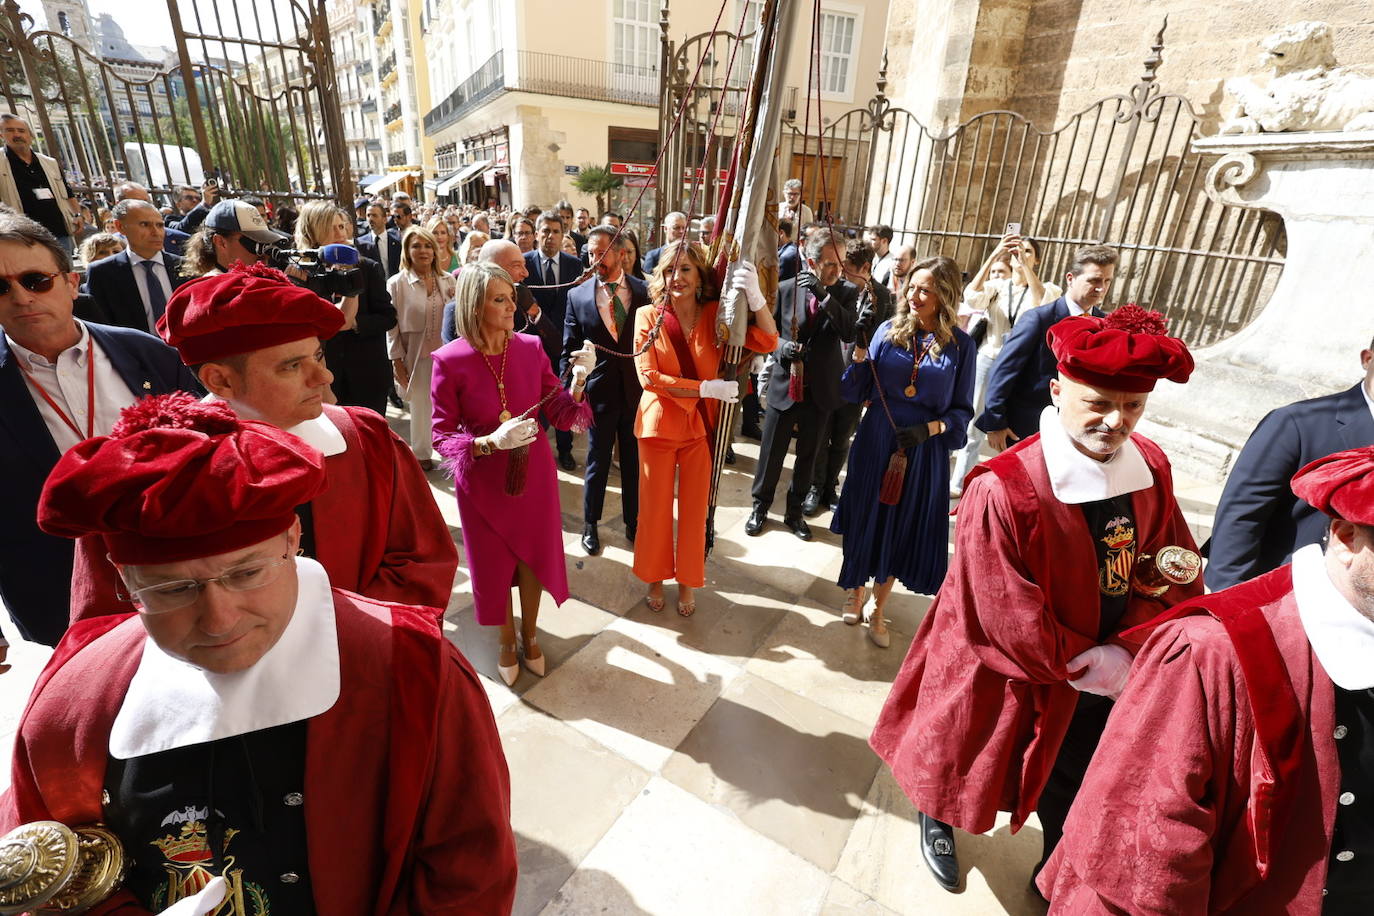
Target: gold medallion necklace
[{"x": 500, "y": 379}]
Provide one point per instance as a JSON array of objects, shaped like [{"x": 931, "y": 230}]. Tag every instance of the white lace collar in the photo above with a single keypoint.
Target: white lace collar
[
  {"x": 171, "y": 703},
  {"x": 1342, "y": 637},
  {"x": 1076, "y": 478}
]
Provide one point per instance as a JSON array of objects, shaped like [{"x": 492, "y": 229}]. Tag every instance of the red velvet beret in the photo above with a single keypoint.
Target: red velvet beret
[
  {"x": 242, "y": 310},
  {"x": 1341, "y": 485},
  {"x": 179, "y": 479},
  {"x": 1129, "y": 350}
]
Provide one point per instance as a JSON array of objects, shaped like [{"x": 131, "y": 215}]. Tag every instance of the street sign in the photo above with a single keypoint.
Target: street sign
[{"x": 573, "y": 170}]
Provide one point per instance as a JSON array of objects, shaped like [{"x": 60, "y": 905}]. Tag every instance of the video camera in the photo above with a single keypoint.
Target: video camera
[{"x": 330, "y": 271}]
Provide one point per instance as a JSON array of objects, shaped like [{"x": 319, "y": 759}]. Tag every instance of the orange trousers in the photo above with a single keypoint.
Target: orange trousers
[{"x": 662, "y": 462}]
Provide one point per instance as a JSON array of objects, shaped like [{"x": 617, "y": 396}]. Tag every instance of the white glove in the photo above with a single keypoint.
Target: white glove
[
  {"x": 207, "y": 901},
  {"x": 721, "y": 389},
  {"x": 584, "y": 358},
  {"x": 1101, "y": 670},
  {"x": 746, "y": 278},
  {"x": 514, "y": 433}
]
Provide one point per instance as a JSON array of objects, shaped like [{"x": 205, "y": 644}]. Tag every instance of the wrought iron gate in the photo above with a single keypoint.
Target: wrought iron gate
[
  {"x": 251, "y": 94},
  {"x": 1120, "y": 172}
]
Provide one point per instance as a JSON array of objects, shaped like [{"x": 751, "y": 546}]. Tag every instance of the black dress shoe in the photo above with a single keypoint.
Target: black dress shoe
[
  {"x": 937, "y": 847},
  {"x": 729, "y": 454},
  {"x": 631, "y": 529},
  {"x": 566, "y": 461},
  {"x": 811, "y": 506},
  {"x": 831, "y": 499},
  {"x": 754, "y": 526},
  {"x": 751, "y": 432},
  {"x": 591, "y": 541},
  {"x": 798, "y": 526}
]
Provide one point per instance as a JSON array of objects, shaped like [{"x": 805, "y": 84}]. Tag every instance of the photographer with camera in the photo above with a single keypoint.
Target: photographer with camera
[
  {"x": 235, "y": 232},
  {"x": 357, "y": 355}
]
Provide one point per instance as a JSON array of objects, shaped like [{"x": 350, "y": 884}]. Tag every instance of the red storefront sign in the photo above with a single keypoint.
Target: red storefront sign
[{"x": 634, "y": 169}]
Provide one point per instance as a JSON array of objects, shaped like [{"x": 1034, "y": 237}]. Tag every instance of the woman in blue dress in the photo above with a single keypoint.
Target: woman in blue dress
[{"x": 917, "y": 377}]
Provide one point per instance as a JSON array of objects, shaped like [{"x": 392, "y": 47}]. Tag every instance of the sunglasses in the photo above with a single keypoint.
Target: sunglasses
[{"x": 35, "y": 281}]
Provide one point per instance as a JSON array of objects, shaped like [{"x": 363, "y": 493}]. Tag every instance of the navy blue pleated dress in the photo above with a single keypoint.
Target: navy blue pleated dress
[{"x": 911, "y": 539}]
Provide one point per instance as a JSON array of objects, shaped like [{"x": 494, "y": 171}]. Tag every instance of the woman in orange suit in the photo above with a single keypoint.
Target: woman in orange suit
[{"x": 678, "y": 411}]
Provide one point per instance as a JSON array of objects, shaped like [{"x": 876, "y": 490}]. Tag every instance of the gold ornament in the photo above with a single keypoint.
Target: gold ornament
[{"x": 48, "y": 868}]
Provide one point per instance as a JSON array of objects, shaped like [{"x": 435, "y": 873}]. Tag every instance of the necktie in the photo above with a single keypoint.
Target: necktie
[
  {"x": 550, "y": 273},
  {"x": 617, "y": 309},
  {"x": 157, "y": 299}
]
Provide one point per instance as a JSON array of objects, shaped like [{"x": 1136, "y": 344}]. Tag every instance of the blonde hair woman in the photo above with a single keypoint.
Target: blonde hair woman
[
  {"x": 489, "y": 385},
  {"x": 471, "y": 248},
  {"x": 357, "y": 355},
  {"x": 894, "y": 509},
  {"x": 443, "y": 236},
  {"x": 419, "y": 290}
]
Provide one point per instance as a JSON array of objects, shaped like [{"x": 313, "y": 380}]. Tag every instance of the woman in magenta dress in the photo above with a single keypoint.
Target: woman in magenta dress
[{"x": 488, "y": 387}]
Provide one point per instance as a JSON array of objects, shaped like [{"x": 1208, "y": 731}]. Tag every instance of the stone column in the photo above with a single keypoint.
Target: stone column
[{"x": 1306, "y": 340}]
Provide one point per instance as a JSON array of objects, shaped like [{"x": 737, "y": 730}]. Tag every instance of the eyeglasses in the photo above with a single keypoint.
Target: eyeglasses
[
  {"x": 35, "y": 281},
  {"x": 180, "y": 593}
]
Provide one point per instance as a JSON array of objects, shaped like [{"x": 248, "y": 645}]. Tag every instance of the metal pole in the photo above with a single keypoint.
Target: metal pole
[{"x": 188, "y": 80}]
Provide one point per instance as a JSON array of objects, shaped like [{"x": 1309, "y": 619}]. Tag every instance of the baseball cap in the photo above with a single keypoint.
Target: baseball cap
[{"x": 237, "y": 216}]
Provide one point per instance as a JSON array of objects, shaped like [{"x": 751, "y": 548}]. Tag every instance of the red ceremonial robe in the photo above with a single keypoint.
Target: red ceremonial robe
[
  {"x": 1193, "y": 803},
  {"x": 977, "y": 715},
  {"x": 407, "y": 799},
  {"x": 378, "y": 531}
]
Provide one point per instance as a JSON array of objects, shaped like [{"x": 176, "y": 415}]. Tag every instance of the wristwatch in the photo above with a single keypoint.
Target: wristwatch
[{"x": 482, "y": 447}]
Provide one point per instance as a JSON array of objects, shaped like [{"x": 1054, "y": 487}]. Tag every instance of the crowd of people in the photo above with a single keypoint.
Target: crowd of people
[{"x": 244, "y": 569}]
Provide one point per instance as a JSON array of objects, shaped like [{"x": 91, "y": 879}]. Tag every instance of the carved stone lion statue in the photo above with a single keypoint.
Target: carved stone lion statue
[{"x": 1306, "y": 89}]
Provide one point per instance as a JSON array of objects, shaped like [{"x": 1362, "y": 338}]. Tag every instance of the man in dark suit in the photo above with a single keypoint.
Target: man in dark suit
[
  {"x": 674, "y": 229},
  {"x": 173, "y": 239},
  {"x": 369, "y": 245},
  {"x": 565, "y": 210},
  {"x": 131, "y": 289},
  {"x": 816, "y": 314},
  {"x": 789, "y": 259},
  {"x": 193, "y": 206},
  {"x": 602, "y": 311},
  {"x": 1259, "y": 522},
  {"x": 551, "y": 273},
  {"x": 1019, "y": 384},
  {"x": 61, "y": 381},
  {"x": 876, "y": 305}
]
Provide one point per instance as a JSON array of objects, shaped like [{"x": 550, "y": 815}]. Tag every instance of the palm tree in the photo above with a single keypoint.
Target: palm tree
[{"x": 598, "y": 181}]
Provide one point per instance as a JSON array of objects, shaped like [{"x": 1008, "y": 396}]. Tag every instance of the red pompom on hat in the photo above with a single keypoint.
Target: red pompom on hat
[
  {"x": 1129, "y": 350},
  {"x": 1341, "y": 485},
  {"x": 180, "y": 479},
  {"x": 242, "y": 310}
]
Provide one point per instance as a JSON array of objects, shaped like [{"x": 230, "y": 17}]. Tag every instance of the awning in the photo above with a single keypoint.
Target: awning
[
  {"x": 441, "y": 183},
  {"x": 467, "y": 173},
  {"x": 386, "y": 181},
  {"x": 368, "y": 179},
  {"x": 431, "y": 184}
]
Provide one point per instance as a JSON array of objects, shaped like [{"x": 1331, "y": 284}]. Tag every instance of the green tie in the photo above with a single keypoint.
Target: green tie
[{"x": 618, "y": 309}]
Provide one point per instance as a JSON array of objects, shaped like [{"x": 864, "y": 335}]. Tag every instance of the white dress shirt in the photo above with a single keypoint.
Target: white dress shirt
[
  {"x": 65, "y": 382},
  {"x": 141, "y": 278},
  {"x": 545, "y": 264},
  {"x": 603, "y": 302}
]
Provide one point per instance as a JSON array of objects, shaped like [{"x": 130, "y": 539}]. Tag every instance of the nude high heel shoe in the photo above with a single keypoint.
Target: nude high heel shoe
[
  {"x": 535, "y": 665},
  {"x": 508, "y": 673}
]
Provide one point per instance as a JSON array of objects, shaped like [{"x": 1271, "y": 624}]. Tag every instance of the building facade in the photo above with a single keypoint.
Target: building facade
[
  {"x": 352, "y": 43},
  {"x": 528, "y": 93}
]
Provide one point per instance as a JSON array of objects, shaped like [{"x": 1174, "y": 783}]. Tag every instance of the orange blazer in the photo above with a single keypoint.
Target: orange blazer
[{"x": 668, "y": 408}]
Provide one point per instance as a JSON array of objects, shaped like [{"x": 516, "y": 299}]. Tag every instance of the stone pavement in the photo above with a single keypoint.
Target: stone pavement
[{"x": 717, "y": 764}]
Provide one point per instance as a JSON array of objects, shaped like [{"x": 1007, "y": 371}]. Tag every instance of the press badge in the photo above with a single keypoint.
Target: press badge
[{"x": 42, "y": 193}]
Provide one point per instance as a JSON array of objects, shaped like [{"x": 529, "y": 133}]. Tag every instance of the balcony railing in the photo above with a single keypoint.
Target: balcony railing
[
  {"x": 392, "y": 113},
  {"x": 385, "y": 67},
  {"x": 369, "y": 106},
  {"x": 548, "y": 74}
]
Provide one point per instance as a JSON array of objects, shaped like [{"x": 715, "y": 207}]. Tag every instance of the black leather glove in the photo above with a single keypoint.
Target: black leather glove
[
  {"x": 811, "y": 283},
  {"x": 793, "y": 350},
  {"x": 907, "y": 436}
]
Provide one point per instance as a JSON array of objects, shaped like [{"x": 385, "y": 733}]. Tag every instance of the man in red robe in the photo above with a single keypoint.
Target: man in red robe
[
  {"x": 318, "y": 751},
  {"x": 254, "y": 340},
  {"x": 1237, "y": 772},
  {"x": 1009, "y": 680}
]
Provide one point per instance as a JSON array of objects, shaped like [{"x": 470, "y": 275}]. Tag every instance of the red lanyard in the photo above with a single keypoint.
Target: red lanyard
[{"x": 90, "y": 395}]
